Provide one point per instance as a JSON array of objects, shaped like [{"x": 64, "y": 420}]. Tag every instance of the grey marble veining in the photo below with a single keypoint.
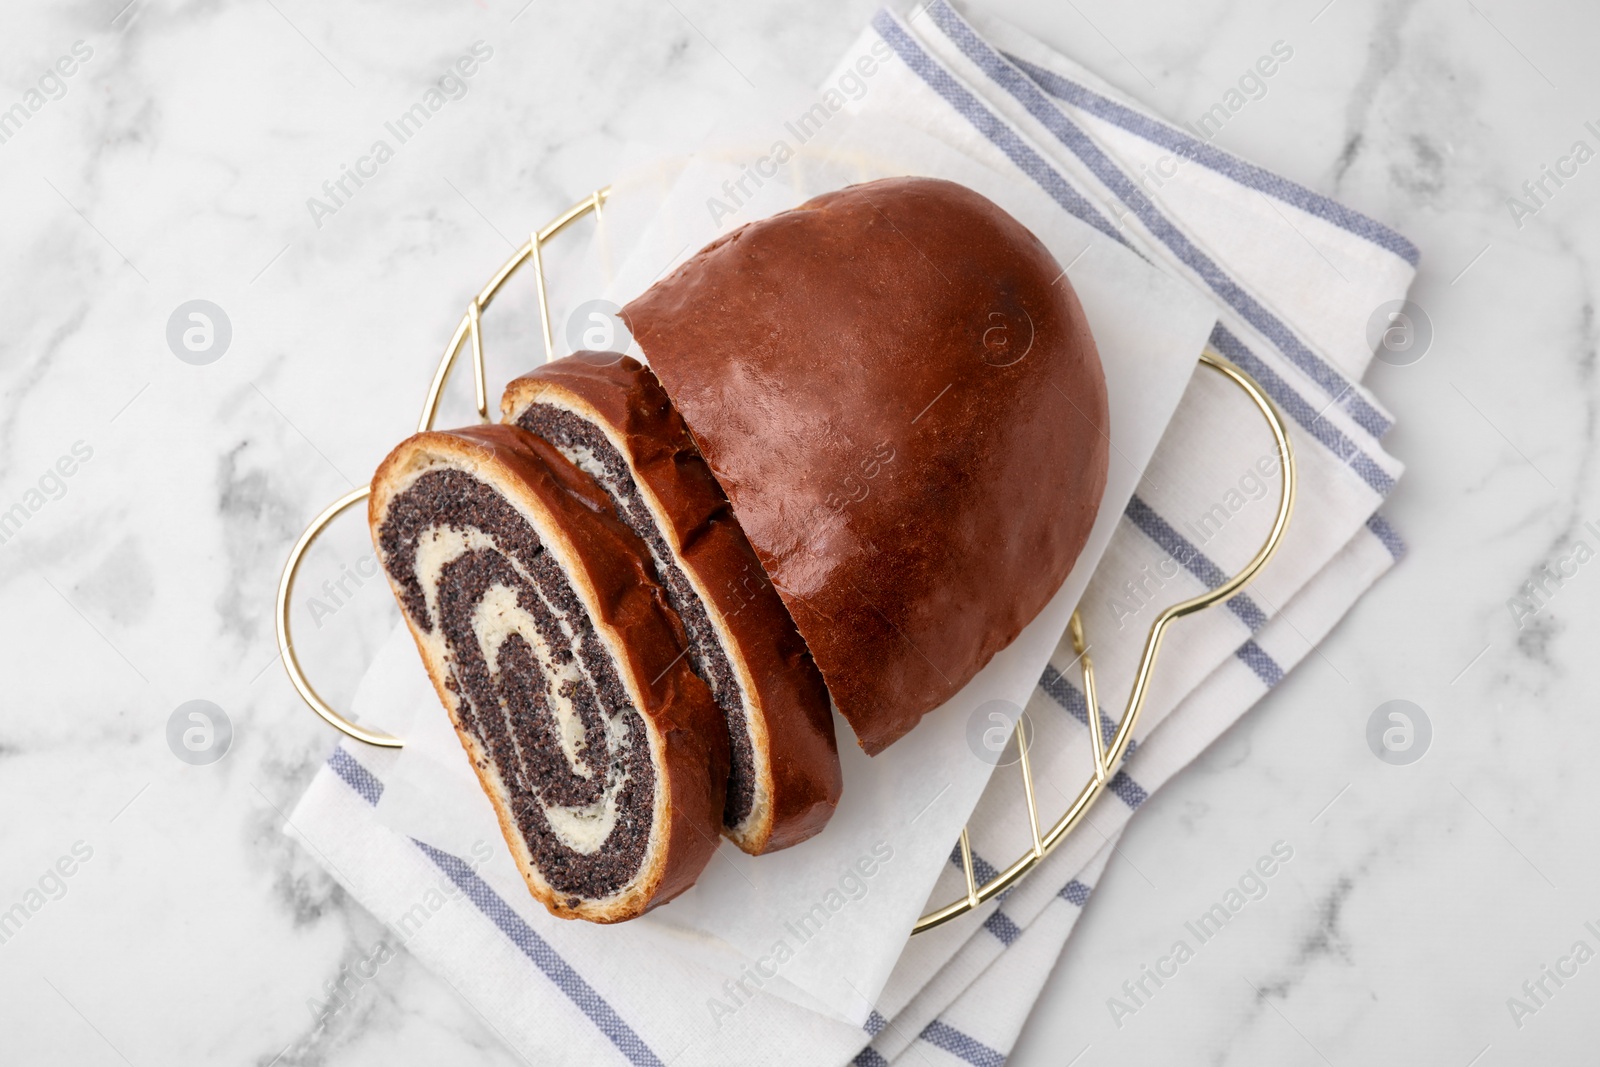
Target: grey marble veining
[{"x": 177, "y": 162}]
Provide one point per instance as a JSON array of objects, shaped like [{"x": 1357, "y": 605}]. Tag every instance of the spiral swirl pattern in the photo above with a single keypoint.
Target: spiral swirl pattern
[{"x": 535, "y": 685}]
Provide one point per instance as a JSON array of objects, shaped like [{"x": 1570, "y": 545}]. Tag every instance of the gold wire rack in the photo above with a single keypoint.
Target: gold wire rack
[{"x": 1106, "y": 757}]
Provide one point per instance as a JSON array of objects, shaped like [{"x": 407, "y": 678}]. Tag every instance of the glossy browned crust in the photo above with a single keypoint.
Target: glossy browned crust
[
  {"x": 897, "y": 389},
  {"x": 782, "y": 687},
  {"x": 609, "y": 570}
]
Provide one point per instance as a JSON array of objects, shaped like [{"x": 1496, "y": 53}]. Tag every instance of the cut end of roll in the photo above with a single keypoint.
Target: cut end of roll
[
  {"x": 561, "y": 665},
  {"x": 608, "y": 415}
]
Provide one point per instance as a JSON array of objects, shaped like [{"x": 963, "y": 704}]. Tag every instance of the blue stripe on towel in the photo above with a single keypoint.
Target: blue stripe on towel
[
  {"x": 1002, "y": 927},
  {"x": 1128, "y": 791},
  {"x": 943, "y": 1035},
  {"x": 1296, "y": 407},
  {"x": 547, "y": 959},
  {"x": 1070, "y": 697},
  {"x": 1197, "y": 563},
  {"x": 1075, "y": 893},
  {"x": 1255, "y": 657},
  {"x": 875, "y": 1023},
  {"x": 537, "y": 949},
  {"x": 990, "y": 125},
  {"x": 983, "y": 872},
  {"x": 1230, "y": 166},
  {"x": 870, "y": 1057},
  {"x": 356, "y": 776},
  {"x": 1387, "y": 534},
  {"x": 1188, "y": 555},
  {"x": 1114, "y": 178}
]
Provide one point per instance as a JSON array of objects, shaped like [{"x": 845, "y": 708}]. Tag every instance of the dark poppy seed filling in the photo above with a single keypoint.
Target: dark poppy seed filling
[
  {"x": 537, "y": 687},
  {"x": 590, "y": 449}
]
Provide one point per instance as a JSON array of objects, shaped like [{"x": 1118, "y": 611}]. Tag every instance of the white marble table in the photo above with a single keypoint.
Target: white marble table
[{"x": 175, "y": 162}]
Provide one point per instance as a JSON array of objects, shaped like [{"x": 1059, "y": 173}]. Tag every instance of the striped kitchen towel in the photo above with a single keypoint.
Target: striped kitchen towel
[{"x": 1295, "y": 278}]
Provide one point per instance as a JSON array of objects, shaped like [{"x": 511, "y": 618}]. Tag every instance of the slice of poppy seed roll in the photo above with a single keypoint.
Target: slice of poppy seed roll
[
  {"x": 609, "y": 415},
  {"x": 562, "y": 667}
]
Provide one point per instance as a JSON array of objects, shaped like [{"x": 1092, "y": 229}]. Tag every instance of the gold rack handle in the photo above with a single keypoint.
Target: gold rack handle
[
  {"x": 291, "y": 662},
  {"x": 1105, "y": 761},
  {"x": 468, "y": 329}
]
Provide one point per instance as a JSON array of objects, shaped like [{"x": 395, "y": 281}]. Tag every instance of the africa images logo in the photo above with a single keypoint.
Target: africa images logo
[
  {"x": 851, "y": 886},
  {"x": 1251, "y": 886},
  {"x": 453, "y": 84}
]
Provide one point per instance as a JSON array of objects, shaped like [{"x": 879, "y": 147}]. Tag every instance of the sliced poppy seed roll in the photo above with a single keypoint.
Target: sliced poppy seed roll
[
  {"x": 608, "y": 415},
  {"x": 554, "y": 651}
]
